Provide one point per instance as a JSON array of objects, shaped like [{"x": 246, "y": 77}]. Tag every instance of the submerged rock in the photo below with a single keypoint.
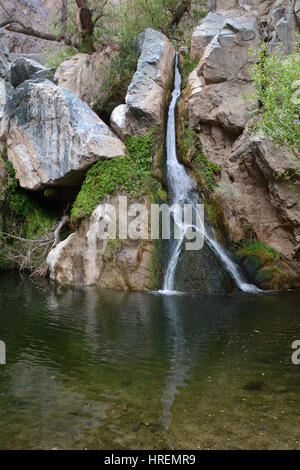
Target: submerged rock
[
  {"x": 54, "y": 137},
  {"x": 147, "y": 94}
]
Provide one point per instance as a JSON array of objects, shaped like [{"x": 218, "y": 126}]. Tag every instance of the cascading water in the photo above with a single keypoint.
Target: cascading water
[{"x": 182, "y": 191}]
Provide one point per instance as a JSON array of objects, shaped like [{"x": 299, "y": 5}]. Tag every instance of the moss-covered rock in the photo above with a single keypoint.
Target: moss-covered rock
[
  {"x": 262, "y": 264},
  {"x": 132, "y": 174}
]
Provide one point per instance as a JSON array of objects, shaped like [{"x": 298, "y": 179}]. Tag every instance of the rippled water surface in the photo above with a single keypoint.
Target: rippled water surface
[{"x": 113, "y": 370}]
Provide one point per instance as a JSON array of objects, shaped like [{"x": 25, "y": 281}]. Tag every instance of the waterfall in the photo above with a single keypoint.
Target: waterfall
[{"x": 182, "y": 190}]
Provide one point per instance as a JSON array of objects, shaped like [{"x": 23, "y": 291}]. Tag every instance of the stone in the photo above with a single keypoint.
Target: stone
[
  {"x": 32, "y": 13},
  {"x": 208, "y": 28},
  {"x": 285, "y": 33},
  {"x": 85, "y": 259},
  {"x": 220, "y": 103},
  {"x": 249, "y": 193},
  {"x": 54, "y": 137},
  {"x": 147, "y": 94},
  {"x": 120, "y": 123},
  {"x": 84, "y": 74},
  {"x": 227, "y": 57},
  {"x": 22, "y": 69},
  {"x": 297, "y": 11}
]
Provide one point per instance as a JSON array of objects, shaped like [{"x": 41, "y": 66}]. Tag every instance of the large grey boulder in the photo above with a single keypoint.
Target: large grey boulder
[
  {"x": 54, "y": 137},
  {"x": 147, "y": 94},
  {"x": 23, "y": 68}
]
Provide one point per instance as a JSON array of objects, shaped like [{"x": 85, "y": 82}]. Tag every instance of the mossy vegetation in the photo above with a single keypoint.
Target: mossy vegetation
[
  {"x": 193, "y": 155},
  {"x": 186, "y": 65},
  {"x": 26, "y": 229},
  {"x": 262, "y": 264},
  {"x": 132, "y": 174}
]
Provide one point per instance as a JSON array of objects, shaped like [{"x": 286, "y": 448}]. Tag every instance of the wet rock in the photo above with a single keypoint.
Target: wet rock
[
  {"x": 147, "y": 94},
  {"x": 54, "y": 137},
  {"x": 22, "y": 69}
]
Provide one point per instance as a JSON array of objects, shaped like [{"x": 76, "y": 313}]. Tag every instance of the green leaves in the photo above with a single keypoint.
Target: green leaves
[
  {"x": 132, "y": 174},
  {"x": 275, "y": 79}
]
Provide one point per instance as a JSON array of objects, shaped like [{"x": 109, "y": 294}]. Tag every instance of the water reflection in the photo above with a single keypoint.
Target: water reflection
[{"x": 106, "y": 369}]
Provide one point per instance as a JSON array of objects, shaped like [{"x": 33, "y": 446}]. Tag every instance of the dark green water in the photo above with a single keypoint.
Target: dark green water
[{"x": 115, "y": 370}]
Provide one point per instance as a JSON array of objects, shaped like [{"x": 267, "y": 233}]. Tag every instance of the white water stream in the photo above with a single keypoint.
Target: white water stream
[{"x": 182, "y": 191}]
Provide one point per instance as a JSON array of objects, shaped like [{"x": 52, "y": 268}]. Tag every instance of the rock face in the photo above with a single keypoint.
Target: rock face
[
  {"x": 22, "y": 69},
  {"x": 83, "y": 74},
  {"x": 5, "y": 89},
  {"x": 223, "y": 74},
  {"x": 249, "y": 196},
  {"x": 85, "y": 259},
  {"x": 277, "y": 19},
  {"x": 35, "y": 14},
  {"x": 54, "y": 137},
  {"x": 147, "y": 94}
]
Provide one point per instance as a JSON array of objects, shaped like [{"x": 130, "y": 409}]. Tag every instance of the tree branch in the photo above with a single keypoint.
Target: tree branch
[{"x": 28, "y": 31}]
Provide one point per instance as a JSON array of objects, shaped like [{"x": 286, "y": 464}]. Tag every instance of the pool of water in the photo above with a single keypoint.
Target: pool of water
[{"x": 103, "y": 369}]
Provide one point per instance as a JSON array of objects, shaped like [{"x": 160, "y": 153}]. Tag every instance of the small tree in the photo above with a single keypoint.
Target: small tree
[{"x": 276, "y": 80}]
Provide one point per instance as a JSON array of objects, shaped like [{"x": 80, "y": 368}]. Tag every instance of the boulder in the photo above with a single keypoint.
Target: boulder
[
  {"x": 84, "y": 74},
  {"x": 252, "y": 195},
  {"x": 22, "y": 69},
  {"x": 222, "y": 77},
  {"x": 227, "y": 56},
  {"x": 285, "y": 34},
  {"x": 85, "y": 259},
  {"x": 208, "y": 28},
  {"x": 147, "y": 94},
  {"x": 54, "y": 137},
  {"x": 221, "y": 104}
]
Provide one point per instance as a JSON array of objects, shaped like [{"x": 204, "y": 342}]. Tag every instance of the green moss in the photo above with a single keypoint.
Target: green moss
[
  {"x": 217, "y": 218},
  {"x": 261, "y": 250},
  {"x": 25, "y": 218},
  {"x": 132, "y": 174},
  {"x": 112, "y": 249},
  {"x": 194, "y": 155},
  {"x": 262, "y": 264}
]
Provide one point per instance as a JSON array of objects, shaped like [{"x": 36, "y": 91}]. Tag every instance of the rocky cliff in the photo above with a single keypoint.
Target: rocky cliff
[
  {"x": 249, "y": 201},
  {"x": 52, "y": 142}
]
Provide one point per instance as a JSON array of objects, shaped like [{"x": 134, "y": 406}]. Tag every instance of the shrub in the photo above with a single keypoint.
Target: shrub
[{"x": 131, "y": 174}]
